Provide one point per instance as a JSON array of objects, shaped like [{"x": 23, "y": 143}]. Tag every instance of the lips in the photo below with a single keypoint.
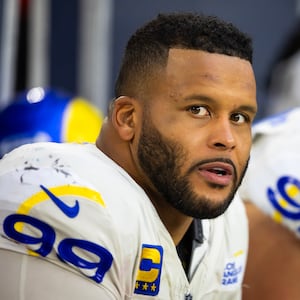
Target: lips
[{"x": 219, "y": 173}]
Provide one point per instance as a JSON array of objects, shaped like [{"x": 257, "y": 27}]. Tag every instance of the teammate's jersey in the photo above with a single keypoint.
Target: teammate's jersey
[
  {"x": 272, "y": 181},
  {"x": 73, "y": 206}
]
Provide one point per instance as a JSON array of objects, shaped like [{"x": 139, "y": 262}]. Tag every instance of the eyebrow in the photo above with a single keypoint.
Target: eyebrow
[{"x": 249, "y": 108}]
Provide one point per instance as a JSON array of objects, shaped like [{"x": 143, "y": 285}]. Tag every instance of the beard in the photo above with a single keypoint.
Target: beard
[{"x": 161, "y": 159}]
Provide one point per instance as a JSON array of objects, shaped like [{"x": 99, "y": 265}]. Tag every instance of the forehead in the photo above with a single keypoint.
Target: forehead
[{"x": 188, "y": 68}]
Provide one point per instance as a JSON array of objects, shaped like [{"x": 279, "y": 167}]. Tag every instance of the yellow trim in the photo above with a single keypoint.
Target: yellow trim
[
  {"x": 277, "y": 217},
  {"x": 64, "y": 190},
  {"x": 292, "y": 191},
  {"x": 58, "y": 191},
  {"x": 238, "y": 253}
]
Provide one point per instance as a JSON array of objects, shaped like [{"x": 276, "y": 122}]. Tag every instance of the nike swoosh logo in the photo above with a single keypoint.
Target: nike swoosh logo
[{"x": 69, "y": 211}]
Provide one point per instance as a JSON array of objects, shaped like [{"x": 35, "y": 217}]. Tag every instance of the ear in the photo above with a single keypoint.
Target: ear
[{"x": 124, "y": 117}]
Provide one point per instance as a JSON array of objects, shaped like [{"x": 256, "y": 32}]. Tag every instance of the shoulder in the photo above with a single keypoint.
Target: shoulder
[
  {"x": 278, "y": 123},
  {"x": 37, "y": 154},
  {"x": 69, "y": 169},
  {"x": 272, "y": 180},
  {"x": 274, "y": 136},
  {"x": 41, "y": 172},
  {"x": 58, "y": 197}
]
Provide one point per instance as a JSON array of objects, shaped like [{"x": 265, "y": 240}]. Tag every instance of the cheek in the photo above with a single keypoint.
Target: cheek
[{"x": 244, "y": 148}]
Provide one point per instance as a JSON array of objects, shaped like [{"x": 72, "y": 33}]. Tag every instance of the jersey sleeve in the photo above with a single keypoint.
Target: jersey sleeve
[
  {"x": 272, "y": 181},
  {"x": 46, "y": 210}
]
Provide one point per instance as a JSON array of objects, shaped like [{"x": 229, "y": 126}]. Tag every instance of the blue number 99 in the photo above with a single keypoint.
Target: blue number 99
[
  {"x": 65, "y": 247},
  {"x": 65, "y": 252},
  {"x": 47, "y": 233}
]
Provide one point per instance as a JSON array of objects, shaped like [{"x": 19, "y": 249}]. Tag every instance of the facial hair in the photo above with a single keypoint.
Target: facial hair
[{"x": 161, "y": 159}]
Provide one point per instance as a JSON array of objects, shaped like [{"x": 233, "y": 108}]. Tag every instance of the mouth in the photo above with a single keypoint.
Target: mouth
[{"x": 218, "y": 173}]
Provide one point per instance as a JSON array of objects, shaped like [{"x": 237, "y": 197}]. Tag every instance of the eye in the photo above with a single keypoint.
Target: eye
[
  {"x": 239, "y": 118},
  {"x": 198, "y": 110}
]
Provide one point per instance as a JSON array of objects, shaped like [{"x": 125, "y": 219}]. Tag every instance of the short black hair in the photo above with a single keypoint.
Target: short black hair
[{"x": 149, "y": 46}]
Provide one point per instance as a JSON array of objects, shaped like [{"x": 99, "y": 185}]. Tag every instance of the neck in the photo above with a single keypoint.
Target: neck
[{"x": 176, "y": 223}]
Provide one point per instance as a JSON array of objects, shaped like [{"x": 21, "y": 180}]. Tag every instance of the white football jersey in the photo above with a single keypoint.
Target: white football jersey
[
  {"x": 74, "y": 207},
  {"x": 272, "y": 181}
]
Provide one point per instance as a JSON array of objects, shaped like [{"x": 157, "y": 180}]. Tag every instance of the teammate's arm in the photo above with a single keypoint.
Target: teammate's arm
[{"x": 273, "y": 267}]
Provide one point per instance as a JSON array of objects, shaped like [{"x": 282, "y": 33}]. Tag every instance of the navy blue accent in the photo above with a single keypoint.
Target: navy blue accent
[
  {"x": 69, "y": 211},
  {"x": 274, "y": 201},
  {"x": 282, "y": 183},
  {"x": 65, "y": 250},
  {"x": 46, "y": 240}
]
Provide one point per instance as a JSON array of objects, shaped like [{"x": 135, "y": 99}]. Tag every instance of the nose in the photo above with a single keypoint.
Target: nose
[{"x": 222, "y": 135}]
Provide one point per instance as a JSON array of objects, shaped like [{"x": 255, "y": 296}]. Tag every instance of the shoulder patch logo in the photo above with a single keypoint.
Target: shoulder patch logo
[
  {"x": 234, "y": 271},
  {"x": 148, "y": 276}
]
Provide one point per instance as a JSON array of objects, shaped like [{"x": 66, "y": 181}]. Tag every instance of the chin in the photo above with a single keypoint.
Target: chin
[{"x": 204, "y": 207}]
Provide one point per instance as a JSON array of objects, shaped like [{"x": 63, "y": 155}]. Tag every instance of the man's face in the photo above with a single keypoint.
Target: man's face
[{"x": 195, "y": 138}]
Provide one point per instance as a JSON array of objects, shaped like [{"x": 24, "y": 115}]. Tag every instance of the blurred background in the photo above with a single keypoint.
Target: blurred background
[{"x": 76, "y": 45}]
